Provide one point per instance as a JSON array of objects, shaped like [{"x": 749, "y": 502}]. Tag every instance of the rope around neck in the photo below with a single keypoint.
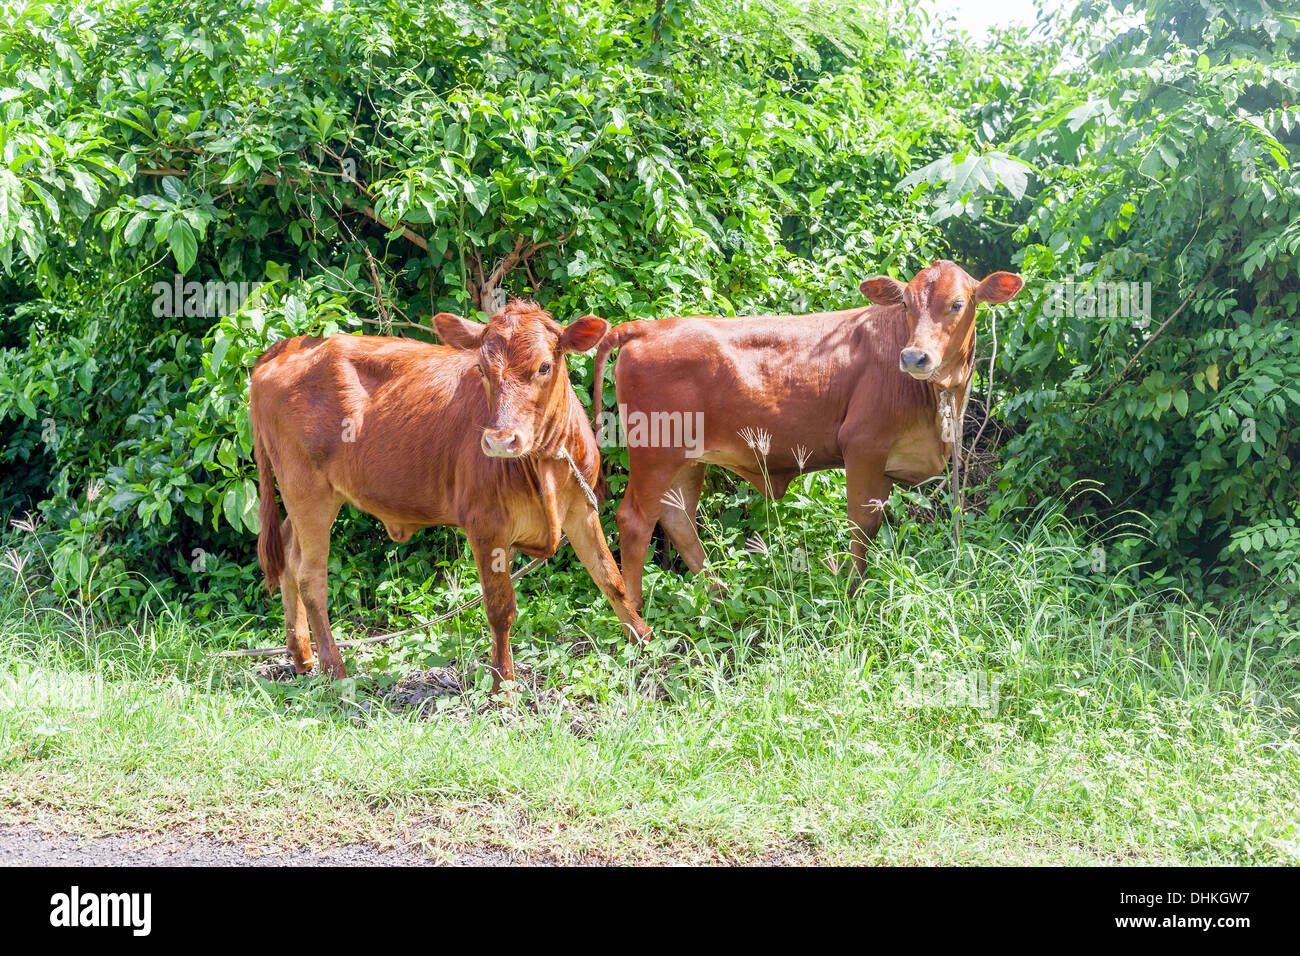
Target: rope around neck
[
  {"x": 953, "y": 428},
  {"x": 582, "y": 482}
]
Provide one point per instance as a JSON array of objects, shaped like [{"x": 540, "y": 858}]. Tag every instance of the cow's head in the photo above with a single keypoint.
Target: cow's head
[
  {"x": 940, "y": 304},
  {"x": 521, "y": 362}
]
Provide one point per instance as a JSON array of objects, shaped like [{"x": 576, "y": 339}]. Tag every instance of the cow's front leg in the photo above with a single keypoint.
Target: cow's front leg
[
  {"x": 493, "y": 561},
  {"x": 868, "y": 490},
  {"x": 582, "y": 525}
]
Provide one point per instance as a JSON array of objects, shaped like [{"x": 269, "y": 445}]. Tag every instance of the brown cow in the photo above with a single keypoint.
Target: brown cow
[
  {"x": 801, "y": 393},
  {"x": 466, "y": 434}
]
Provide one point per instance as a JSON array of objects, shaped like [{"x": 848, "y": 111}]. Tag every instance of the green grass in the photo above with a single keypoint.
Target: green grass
[{"x": 1108, "y": 724}]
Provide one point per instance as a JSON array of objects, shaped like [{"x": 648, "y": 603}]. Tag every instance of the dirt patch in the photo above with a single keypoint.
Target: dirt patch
[
  {"x": 418, "y": 691},
  {"x": 438, "y": 693},
  {"x": 278, "y": 669}
]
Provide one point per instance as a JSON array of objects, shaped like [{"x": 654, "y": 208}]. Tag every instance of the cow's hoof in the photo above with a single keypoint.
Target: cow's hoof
[
  {"x": 638, "y": 633},
  {"x": 304, "y": 668}
]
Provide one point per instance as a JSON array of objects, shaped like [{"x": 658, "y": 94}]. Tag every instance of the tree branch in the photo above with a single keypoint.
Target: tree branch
[
  {"x": 483, "y": 288},
  {"x": 522, "y": 251},
  {"x": 379, "y": 289},
  {"x": 271, "y": 179},
  {"x": 1163, "y": 325}
]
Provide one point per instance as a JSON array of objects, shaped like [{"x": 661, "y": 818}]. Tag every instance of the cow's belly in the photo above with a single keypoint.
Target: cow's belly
[
  {"x": 399, "y": 521},
  {"x": 525, "y": 528},
  {"x": 915, "y": 458}
]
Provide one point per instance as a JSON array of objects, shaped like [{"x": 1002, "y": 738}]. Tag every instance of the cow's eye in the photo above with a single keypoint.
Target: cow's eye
[
  {"x": 545, "y": 367},
  {"x": 958, "y": 305}
]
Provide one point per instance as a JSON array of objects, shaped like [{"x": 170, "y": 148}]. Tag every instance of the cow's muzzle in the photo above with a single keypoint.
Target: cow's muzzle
[
  {"x": 502, "y": 443},
  {"x": 916, "y": 363}
]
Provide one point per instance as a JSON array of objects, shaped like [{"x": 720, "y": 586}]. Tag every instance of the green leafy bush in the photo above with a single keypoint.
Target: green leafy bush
[{"x": 371, "y": 164}]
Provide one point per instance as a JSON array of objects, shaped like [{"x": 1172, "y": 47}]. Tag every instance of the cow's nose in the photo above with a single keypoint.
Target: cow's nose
[
  {"x": 913, "y": 360},
  {"x": 501, "y": 443}
]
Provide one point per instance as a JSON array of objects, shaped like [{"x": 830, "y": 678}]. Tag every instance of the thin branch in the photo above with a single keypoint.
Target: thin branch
[
  {"x": 509, "y": 261},
  {"x": 521, "y": 252},
  {"x": 1164, "y": 325},
  {"x": 476, "y": 278},
  {"x": 988, "y": 405},
  {"x": 369, "y": 211},
  {"x": 379, "y": 289},
  {"x": 395, "y": 323},
  {"x": 406, "y": 319},
  {"x": 266, "y": 179}
]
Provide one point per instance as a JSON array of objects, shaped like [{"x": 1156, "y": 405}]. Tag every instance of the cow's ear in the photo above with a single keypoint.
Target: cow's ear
[
  {"x": 457, "y": 332},
  {"x": 584, "y": 334},
  {"x": 882, "y": 290},
  {"x": 999, "y": 287}
]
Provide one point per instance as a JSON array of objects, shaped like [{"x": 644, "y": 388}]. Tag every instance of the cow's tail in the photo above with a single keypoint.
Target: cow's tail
[
  {"x": 619, "y": 335},
  {"x": 270, "y": 547}
]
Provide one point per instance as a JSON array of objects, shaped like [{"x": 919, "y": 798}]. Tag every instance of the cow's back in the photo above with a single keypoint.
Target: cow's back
[
  {"x": 383, "y": 422},
  {"x": 796, "y": 377}
]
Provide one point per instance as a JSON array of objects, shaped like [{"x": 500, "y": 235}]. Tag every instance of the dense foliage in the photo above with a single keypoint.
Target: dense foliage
[
  {"x": 383, "y": 160},
  {"x": 1166, "y": 157}
]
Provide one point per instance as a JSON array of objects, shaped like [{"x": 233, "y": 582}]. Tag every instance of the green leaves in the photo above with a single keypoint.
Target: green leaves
[
  {"x": 220, "y": 345},
  {"x": 728, "y": 158},
  {"x": 180, "y": 218},
  {"x": 135, "y": 227},
  {"x": 477, "y": 193},
  {"x": 183, "y": 244},
  {"x": 1171, "y": 165},
  {"x": 239, "y": 505},
  {"x": 968, "y": 181}
]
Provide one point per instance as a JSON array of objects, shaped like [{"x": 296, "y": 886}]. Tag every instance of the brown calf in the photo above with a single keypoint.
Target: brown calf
[
  {"x": 466, "y": 434},
  {"x": 801, "y": 393}
]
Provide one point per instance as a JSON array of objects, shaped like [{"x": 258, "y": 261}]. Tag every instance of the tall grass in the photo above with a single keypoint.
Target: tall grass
[{"x": 1007, "y": 703}]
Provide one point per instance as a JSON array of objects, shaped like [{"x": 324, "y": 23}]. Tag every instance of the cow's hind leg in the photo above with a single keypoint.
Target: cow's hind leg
[
  {"x": 312, "y": 517},
  {"x": 681, "y": 504},
  {"x": 296, "y": 633},
  {"x": 637, "y": 516}
]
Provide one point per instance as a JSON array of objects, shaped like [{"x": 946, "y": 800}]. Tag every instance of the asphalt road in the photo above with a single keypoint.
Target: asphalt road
[{"x": 26, "y": 845}]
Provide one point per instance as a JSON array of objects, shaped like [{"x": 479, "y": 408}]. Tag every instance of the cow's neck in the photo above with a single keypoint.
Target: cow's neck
[
  {"x": 562, "y": 427},
  {"x": 569, "y": 441},
  {"x": 952, "y": 398}
]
